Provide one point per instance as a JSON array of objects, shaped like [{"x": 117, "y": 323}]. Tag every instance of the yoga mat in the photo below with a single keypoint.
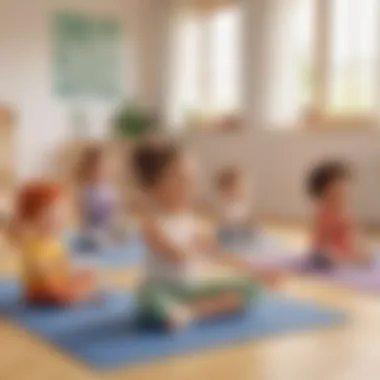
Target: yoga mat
[
  {"x": 128, "y": 254},
  {"x": 261, "y": 242},
  {"x": 366, "y": 279},
  {"x": 105, "y": 336}
]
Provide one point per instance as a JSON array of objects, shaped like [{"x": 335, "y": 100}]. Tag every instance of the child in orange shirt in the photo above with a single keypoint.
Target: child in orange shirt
[
  {"x": 48, "y": 276},
  {"x": 335, "y": 240}
]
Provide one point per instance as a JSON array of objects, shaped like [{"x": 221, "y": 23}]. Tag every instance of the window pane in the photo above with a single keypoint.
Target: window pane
[
  {"x": 225, "y": 60},
  {"x": 304, "y": 33},
  {"x": 353, "y": 56},
  {"x": 206, "y": 66},
  {"x": 186, "y": 67},
  {"x": 290, "y": 67}
]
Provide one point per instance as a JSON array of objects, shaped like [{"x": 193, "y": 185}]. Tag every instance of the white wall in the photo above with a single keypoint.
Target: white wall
[
  {"x": 26, "y": 78},
  {"x": 217, "y": 150},
  {"x": 286, "y": 157},
  {"x": 278, "y": 160}
]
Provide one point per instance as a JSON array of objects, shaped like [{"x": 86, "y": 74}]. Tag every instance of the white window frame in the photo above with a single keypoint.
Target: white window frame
[
  {"x": 318, "y": 114},
  {"x": 203, "y": 10}
]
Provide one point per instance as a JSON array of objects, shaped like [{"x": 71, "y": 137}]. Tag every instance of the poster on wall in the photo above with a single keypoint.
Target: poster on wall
[{"x": 87, "y": 56}]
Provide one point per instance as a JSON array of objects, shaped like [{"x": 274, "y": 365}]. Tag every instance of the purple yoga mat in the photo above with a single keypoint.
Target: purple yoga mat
[{"x": 366, "y": 279}]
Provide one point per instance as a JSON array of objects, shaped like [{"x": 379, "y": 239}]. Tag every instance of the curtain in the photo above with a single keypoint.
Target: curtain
[
  {"x": 287, "y": 31},
  {"x": 205, "y": 72}
]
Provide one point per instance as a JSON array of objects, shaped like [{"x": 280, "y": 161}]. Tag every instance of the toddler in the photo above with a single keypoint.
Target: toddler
[
  {"x": 334, "y": 235},
  {"x": 234, "y": 207},
  {"x": 174, "y": 293},
  {"x": 98, "y": 199},
  {"x": 48, "y": 276}
]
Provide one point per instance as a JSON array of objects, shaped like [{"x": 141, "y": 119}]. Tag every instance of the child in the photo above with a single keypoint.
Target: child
[
  {"x": 173, "y": 294},
  {"x": 48, "y": 276},
  {"x": 335, "y": 241},
  {"x": 97, "y": 199},
  {"x": 234, "y": 207}
]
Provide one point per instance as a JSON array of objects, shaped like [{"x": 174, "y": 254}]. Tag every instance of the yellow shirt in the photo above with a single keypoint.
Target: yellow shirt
[{"x": 43, "y": 258}]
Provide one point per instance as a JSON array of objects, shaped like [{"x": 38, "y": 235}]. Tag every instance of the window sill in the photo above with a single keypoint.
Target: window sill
[
  {"x": 223, "y": 125},
  {"x": 210, "y": 131},
  {"x": 333, "y": 125}
]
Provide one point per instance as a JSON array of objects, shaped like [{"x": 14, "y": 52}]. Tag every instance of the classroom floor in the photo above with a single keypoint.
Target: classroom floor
[{"x": 348, "y": 352}]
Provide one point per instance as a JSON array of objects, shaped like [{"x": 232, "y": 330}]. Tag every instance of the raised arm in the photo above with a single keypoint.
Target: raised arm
[
  {"x": 159, "y": 243},
  {"x": 232, "y": 260}
]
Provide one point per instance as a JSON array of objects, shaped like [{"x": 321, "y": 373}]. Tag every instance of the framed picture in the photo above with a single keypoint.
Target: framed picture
[{"x": 88, "y": 56}]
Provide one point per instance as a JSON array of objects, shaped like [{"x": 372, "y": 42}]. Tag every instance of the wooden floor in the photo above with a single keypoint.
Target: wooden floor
[{"x": 348, "y": 352}]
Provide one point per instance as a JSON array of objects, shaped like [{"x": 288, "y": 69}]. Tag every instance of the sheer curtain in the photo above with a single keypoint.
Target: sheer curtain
[
  {"x": 289, "y": 60},
  {"x": 185, "y": 69},
  {"x": 205, "y": 70},
  {"x": 354, "y": 56},
  {"x": 347, "y": 85},
  {"x": 225, "y": 84}
]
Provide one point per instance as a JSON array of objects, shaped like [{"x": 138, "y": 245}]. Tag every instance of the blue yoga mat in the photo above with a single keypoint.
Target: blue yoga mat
[
  {"x": 105, "y": 336},
  {"x": 128, "y": 254},
  {"x": 259, "y": 243}
]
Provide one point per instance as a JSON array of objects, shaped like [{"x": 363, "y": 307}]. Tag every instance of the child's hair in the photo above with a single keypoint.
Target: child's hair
[
  {"x": 89, "y": 160},
  {"x": 323, "y": 175},
  {"x": 34, "y": 197},
  {"x": 151, "y": 159},
  {"x": 227, "y": 178}
]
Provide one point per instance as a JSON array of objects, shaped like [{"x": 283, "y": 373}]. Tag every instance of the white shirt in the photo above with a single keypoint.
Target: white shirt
[
  {"x": 181, "y": 230},
  {"x": 234, "y": 212}
]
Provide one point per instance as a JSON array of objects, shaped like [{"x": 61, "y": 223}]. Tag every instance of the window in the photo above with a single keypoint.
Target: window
[
  {"x": 205, "y": 71},
  {"x": 326, "y": 61},
  {"x": 352, "y": 52}
]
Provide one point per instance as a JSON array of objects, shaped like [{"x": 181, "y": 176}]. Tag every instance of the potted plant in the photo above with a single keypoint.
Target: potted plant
[{"x": 132, "y": 122}]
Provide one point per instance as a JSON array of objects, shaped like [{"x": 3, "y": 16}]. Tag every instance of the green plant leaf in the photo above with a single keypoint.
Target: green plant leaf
[{"x": 132, "y": 121}]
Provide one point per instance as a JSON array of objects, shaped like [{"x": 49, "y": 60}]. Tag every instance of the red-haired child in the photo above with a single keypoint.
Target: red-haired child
[{"x": 48, "y": 276}]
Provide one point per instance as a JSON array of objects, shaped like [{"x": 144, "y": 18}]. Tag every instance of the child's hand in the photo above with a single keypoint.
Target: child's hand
[{"x": 268, "y": 277}]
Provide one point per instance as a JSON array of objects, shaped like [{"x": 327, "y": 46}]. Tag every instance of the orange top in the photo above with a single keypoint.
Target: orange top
[
  {"x": 332, "y": 230},
  {"x": 44, "y": 260}
]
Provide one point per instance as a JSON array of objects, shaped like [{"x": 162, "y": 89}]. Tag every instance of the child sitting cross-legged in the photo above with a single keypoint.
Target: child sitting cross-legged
[
  {"x": 48, "y": 276},
  {"x": 335, "y": 238},
  {"x": 98, "y": 200},
  {"x": 234, "y": 209},
  {"x": 174, "y": 294}
]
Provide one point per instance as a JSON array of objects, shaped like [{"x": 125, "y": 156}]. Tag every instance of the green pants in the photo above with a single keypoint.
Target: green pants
[{"x": 156, "y": 301}]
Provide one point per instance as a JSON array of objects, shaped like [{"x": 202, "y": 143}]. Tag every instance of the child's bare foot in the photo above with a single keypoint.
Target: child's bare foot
[
  {"x": 361, "y": 253},
  {"x": 180, "y": 318},
  {"x": 268, "y": 277},
  {"x": 231, "y": 303},
  {"x": 364, "y": 259},
  {"x": 223, "y": 304},
  {"x": 84, "y": 286}
]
